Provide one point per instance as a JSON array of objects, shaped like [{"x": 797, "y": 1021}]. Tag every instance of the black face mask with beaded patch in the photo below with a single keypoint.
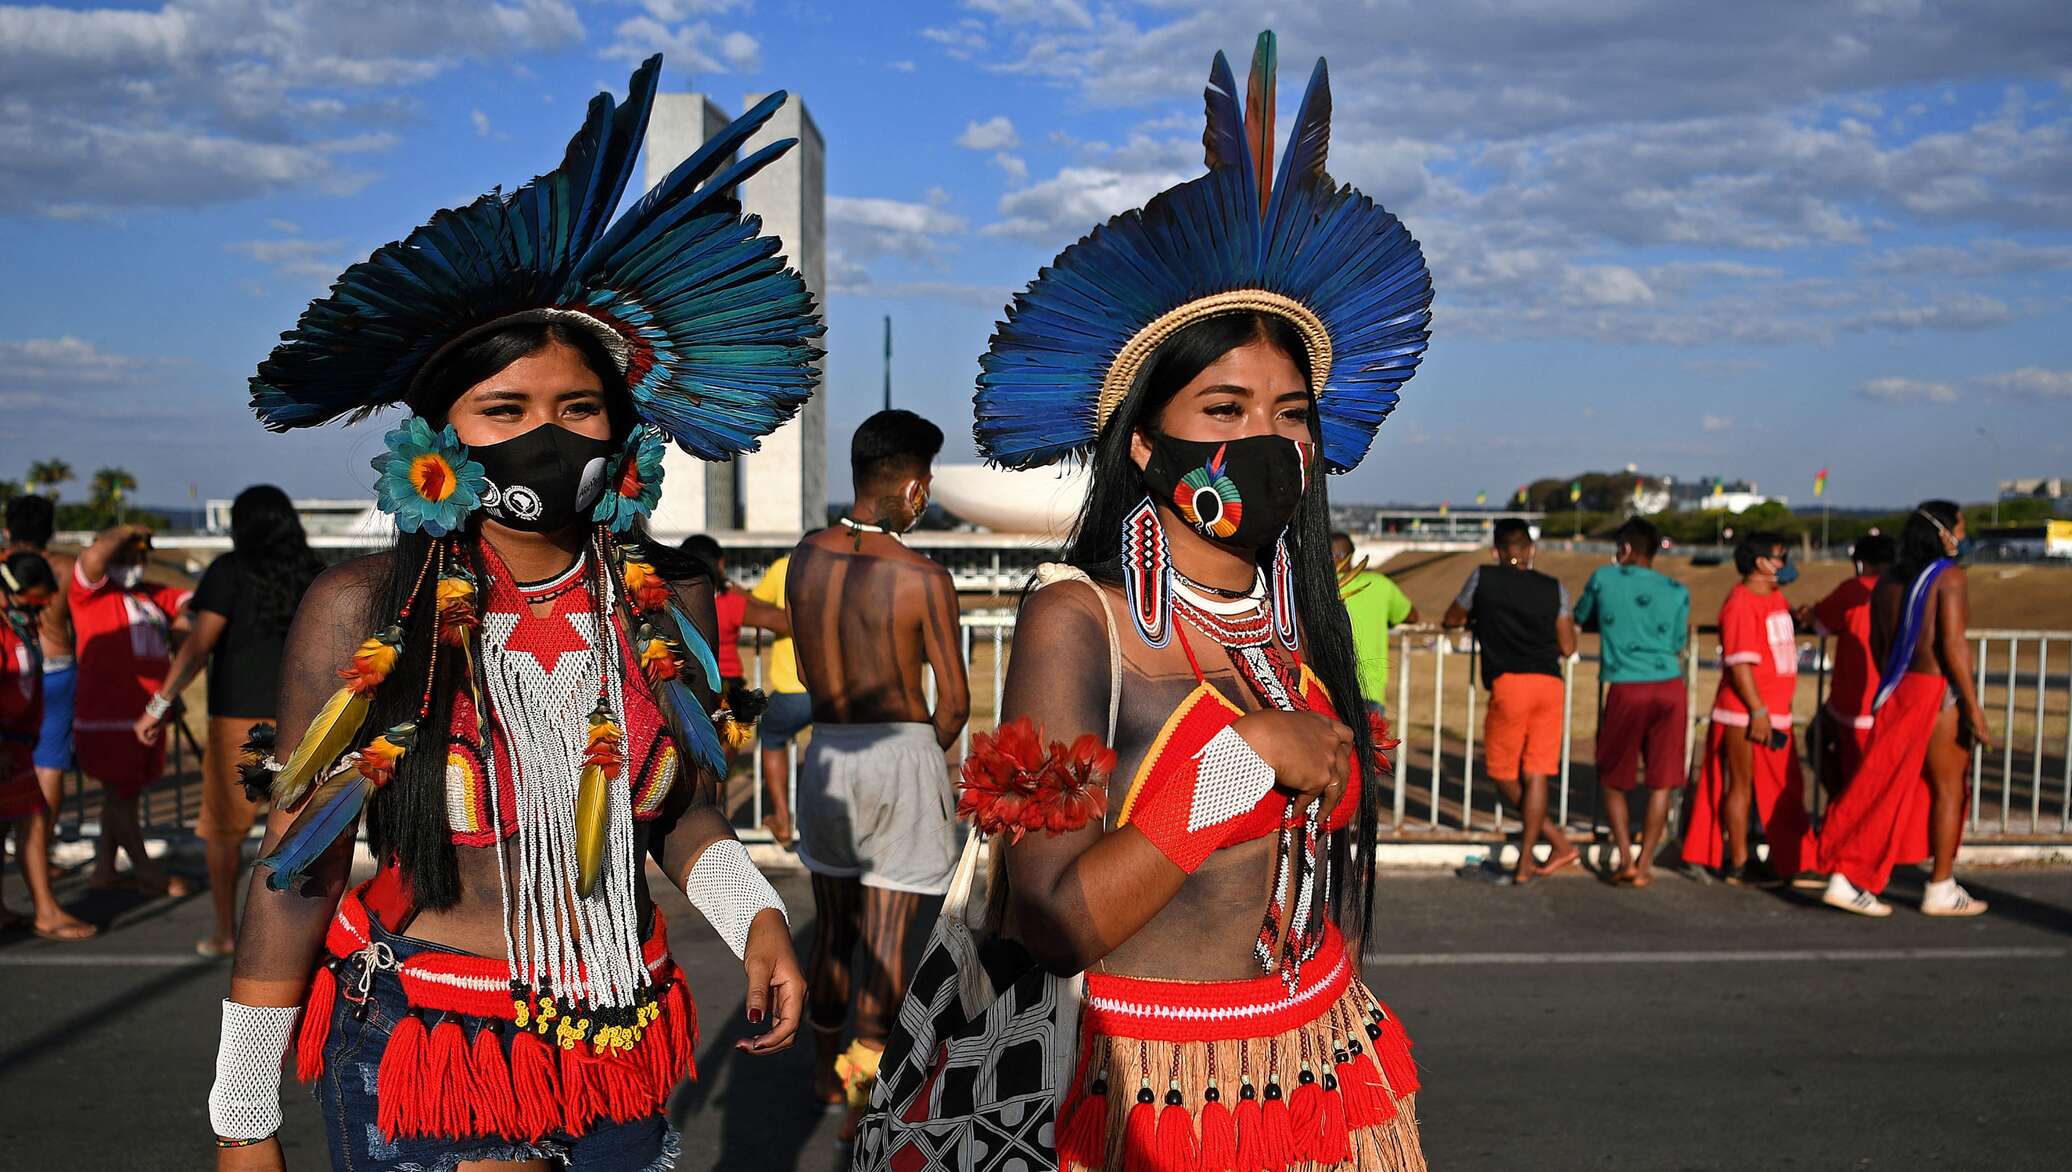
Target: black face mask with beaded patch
[
  {"x": 545, "y": 480},
  {"x": 1240, "y": 492}
]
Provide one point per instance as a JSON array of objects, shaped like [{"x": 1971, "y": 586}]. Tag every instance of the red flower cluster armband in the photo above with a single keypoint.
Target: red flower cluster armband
[{"x": 1015, "y": 782}]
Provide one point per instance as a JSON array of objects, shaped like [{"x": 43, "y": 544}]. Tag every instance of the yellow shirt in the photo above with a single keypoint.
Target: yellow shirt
[{"x": 784, "y": 666}]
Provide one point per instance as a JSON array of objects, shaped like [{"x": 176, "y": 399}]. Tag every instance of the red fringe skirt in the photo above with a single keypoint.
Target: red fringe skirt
[
  {"x": 475, "y": 1057},
  {"x": 1241, "y": 1076}
]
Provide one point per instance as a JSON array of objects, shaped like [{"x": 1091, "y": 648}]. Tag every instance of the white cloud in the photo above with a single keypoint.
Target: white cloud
[
  {"x": 1958, "y": 311},
  {"x": 1063, "y": 207},
  {"x": 1893, "y": 389},
  {"x": 1012, "y": 165},
  {"x": 2030, "y": 382},
  {"x": 868, "y": 228},
  {"x": 994, "y": 134},
  {"x": 1988, "y": 257},
  {"x": 1070, "y": 13},
  {"x": 313, "y": 261},
  {"x": 901, "y": 66},
  {"x": 480, "y": 121},
  {"x": 57, "y": 365},
  {"x": 202, "y": 101},
  {"x": 1714, "y": 423},
  {"x": 697, "y": 47}
]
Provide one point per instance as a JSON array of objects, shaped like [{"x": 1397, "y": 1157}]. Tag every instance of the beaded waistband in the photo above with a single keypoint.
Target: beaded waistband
[{"x": 1178, "y": 1011}]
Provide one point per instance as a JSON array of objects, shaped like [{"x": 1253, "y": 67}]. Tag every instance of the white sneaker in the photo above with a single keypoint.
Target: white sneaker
[
  {"x": 1847, "y": 896},
  {"x": 1948, "y": 899}
]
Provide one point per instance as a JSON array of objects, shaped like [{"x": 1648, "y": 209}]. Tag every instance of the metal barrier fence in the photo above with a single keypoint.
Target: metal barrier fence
[{"x": 2021, "y": 789}]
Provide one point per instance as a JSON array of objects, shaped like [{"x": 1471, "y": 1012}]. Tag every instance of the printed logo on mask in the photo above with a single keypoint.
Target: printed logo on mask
[{"x": 1243, "y": 492}]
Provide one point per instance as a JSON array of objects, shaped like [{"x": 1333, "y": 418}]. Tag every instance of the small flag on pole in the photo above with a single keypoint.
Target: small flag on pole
[
  {"x": 1575, "y": 491},
  {"x": 1820, "y": 482},
  {"x": 1636, "y": 489},
  {"x": 1481, "y": 498},
  {"x": 1444, "y": 506},
  {"x": 1521, "y": 495}
]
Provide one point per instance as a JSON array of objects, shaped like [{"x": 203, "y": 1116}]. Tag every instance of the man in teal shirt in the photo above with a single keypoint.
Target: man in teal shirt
[
  {"x": 1374, "y": 604},
  {"x": 1643, "y": 621}
]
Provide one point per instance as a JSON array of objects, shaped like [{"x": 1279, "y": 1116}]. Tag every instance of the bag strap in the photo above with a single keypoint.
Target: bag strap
[{"x": 1050, "y": 572}]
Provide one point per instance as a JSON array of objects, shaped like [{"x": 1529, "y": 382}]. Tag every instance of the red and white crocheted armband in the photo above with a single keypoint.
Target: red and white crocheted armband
[
  {"x": 1189, "y": 808},
  {"x": 1014, "y": 781}
]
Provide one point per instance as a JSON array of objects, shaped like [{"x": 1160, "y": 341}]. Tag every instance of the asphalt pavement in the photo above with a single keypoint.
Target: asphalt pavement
[{"x": 1566, "y": 1025}]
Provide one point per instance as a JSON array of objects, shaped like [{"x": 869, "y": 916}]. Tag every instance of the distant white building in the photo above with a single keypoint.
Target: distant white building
[
  {"x": 321, "y": 516},
  {"x": 1711, "y": 493}
]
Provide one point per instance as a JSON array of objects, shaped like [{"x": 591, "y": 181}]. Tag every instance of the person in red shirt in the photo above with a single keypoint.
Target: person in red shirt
[
  {"x": 1844, "y": 722},
  {"x": 1749, "y": 754},
  {"x": 737, "y": 609},
  {"x": 124, "y": 626},
  {"x": 26, "y": 586}
]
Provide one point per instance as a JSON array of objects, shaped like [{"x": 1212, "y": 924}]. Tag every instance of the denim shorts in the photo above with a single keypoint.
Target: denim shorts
[
  {"x": 787, "y": 716},
  {"x": 352, "y": 1063}
]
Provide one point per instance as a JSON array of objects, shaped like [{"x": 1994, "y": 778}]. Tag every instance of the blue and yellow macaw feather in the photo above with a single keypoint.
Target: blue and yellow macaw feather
[
  {"x": 1326, "y": 246},
  {"x": 330, "y": 812},
  {"x": 683, "y": 276},
  {"x": 692, "y": 726}
]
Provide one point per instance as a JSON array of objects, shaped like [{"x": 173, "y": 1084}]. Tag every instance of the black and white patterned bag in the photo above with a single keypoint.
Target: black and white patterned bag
[{"x": 976, "y": 1065}]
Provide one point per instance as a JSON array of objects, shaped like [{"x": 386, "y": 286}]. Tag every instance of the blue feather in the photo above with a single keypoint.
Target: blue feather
[
  {"x": 694, "y": 642},
  {"x": 694, "y": 723},
  {"x": 315, "y": 829},
  {"x": 1223, "y": 136}
]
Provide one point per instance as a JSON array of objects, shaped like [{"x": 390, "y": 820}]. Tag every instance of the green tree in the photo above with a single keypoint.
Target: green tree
[
  {"x": 110, "y": 487},
  {"x": 45, "y": 476},
  {"x": 9, "y": 489}
]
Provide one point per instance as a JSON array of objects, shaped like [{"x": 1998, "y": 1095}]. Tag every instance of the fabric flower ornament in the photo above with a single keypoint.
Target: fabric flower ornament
[
  {"x": 637, "y": 488},
  {"x": 427, "y": 481},
  {"x": 1384, "y": 741}
]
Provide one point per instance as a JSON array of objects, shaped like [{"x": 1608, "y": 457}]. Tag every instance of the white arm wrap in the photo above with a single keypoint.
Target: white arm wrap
[
  {"x": 245, "y": 1103},
  {"x": 728, "y": 891}
]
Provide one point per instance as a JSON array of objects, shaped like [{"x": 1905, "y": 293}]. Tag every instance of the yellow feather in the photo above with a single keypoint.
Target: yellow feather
[
  {"x": 590, "y": 819},
  {"x": 326, "y": 739}
]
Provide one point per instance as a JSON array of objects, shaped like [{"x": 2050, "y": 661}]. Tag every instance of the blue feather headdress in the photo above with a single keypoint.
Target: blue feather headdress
[
  {"x": 711, "y": 330},
  {"x": 1331, "y": 261}
]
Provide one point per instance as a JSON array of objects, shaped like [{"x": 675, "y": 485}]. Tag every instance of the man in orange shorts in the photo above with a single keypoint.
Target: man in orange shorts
[{"x": 1521, "y": 622}]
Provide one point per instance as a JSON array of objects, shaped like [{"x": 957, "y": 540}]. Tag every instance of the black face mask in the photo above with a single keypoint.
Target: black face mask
[
  {"x": 545, "y": 480},
  {"x": 1241, "y": 492}
]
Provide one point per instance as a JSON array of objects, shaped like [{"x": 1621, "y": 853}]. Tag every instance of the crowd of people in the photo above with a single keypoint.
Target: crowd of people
[
  {"x": 1892, "y": 738},
  {"x": 528, "y": 702}
]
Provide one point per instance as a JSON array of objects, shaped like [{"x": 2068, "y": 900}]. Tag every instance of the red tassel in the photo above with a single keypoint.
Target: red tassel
[
  {"x": 656, "y": 1064},
  {"x": 534, "y": 1083},
  {"x": 1358, "y": 1082},
  {"x": 447, "y": 1085},
  {"x": 1140, "y": 1135},
  {"x": 679, "y": 1021},
  {"x": 496, "y": 1108},
  {"x": 1084, "y": 1140},
  {"x": 1251, "y": 1136},
  {"x": 1305, "y": 1107},
  {"x": 316, "y": 1025},
  {"x": 1392, "y": 1050},
  {"x": 1333, "y": 1145},
  {"x": 1276, "y": 1134},
  {"x": 581, "y": 1097},
  {"x": 1178, "y": 1149},
  {"x": 399, "y": 1087},
  {"x": 626, "y": 1086},
  {"x": 1218, "y": 1138}
]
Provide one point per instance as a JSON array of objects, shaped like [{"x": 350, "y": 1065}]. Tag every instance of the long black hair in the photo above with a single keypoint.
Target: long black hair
[
  {"x": 273, "y": 553},
  {"x": 1921, "y": 542},
  {"x": 1116, "y": 485},
  {"x": 408, "y": 821}
]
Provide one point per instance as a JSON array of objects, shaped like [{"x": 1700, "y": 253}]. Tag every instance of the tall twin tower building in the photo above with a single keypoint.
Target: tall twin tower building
[{"x": 783, "y": 487}]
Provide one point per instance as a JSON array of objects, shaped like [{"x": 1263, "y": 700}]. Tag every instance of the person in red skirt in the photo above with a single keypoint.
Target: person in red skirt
[
  {"x": 1750, "y": 760},
  {"x": 26, "y": 586},
  {"x": 1843, "y": 726},
  {"x": 1929, "y": 721},
  {"x": 125, "y": 626}
]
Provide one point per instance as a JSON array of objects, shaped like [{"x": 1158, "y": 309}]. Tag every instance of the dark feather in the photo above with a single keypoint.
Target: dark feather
[
  {"x": 1259, "y": 99},
  {"x": 333, "y": 807}
]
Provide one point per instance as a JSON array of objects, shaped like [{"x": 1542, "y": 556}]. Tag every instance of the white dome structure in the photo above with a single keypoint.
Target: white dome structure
[{"x": 1040, "y": 502}]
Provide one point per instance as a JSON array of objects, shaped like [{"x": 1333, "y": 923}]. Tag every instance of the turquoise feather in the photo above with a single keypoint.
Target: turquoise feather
[{"x": 691, "y": 640}]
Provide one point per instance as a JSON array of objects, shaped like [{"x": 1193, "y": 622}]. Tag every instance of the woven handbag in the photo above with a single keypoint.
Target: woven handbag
[{"x": 983, "y": 1046}]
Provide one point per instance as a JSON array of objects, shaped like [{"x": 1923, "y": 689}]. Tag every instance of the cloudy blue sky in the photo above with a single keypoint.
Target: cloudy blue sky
[{"x": 1753, "y": 239}]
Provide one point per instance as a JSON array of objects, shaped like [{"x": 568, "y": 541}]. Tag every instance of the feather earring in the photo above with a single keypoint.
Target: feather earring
[{"x": 1147, "y": 574}]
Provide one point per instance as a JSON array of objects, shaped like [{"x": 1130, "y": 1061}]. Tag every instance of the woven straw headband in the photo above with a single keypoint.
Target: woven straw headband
[{"x": 1129, "y": 361}]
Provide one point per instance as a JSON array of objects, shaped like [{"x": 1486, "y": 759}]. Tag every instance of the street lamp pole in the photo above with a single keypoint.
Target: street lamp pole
[{"x": 1988, "y": 437}]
